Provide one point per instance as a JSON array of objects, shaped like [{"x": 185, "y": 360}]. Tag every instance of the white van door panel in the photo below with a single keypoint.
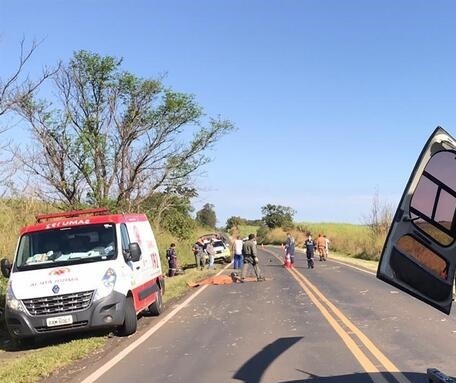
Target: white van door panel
[
  {"x": 419, "y": 256},
  {"x": 141, "y": 232}
]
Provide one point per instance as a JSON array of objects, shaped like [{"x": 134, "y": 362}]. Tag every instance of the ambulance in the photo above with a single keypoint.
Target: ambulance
[{"x": 82, "y": 270}]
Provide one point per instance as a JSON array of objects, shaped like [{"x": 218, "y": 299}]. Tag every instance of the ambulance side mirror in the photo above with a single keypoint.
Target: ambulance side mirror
[
  {"x": 5, "y": 267},
  {"x": 135, "y": 252}
]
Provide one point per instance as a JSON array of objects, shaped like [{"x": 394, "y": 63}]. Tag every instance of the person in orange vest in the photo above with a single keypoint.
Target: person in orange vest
[{"x": 321, "y": 246}]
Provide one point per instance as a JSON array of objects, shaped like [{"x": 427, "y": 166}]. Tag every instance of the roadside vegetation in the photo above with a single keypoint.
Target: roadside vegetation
[
  {"x": 349, "y": 239},
  {"x": 364, "y": 241}
]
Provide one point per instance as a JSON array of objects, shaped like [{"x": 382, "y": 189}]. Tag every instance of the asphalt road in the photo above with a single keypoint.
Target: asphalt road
[{"x": 335, "y": 324}]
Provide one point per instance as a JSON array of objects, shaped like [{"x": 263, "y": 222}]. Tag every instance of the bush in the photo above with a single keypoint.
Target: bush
[
  {"x": 14, "y": 214},
  {"x": 179, "y": 225},
  {"x": 262, "y": 234}
]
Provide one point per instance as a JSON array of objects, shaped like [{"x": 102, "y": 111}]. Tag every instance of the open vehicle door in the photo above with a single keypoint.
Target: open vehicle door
[{"x": 419, "y": 255}]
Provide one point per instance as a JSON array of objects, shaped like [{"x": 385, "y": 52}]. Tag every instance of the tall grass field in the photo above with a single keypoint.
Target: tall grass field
[{"x": 350, "y": 239}]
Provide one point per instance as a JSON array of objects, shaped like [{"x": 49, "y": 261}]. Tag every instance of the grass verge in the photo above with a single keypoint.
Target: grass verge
[{"x": 37, "y": 364}]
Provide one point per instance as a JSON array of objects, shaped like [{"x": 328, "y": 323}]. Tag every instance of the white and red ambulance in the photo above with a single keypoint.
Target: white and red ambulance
[{"x": 82, "y": 270}]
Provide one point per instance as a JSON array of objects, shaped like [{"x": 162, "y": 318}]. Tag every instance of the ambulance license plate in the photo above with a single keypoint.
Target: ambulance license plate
[{"x": 59, "y": 321}]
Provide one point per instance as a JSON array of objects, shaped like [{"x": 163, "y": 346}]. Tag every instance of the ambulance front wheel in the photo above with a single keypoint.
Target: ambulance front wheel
[{"x": 131, "y": 321}]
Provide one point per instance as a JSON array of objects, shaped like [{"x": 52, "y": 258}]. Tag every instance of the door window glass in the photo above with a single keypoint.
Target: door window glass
[
  {"x": 125, "y": 238},
  {"x": 424, "y": 256},
  {"x": 445, "y": 209},
  {"x": 433, "y": 204}
]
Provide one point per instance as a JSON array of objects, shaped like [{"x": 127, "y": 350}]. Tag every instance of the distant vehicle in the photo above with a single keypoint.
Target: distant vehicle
[
  {"x": 82, "y": 270},
  {"x": 218, "y": 236},
  {"x": 418, "y": 255},
  {"x": 208, "y": 237},
  {"x": 222, "y": 249}
]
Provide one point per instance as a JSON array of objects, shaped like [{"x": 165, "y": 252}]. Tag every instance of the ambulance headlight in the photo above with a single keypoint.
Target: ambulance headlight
[
  {"x": 12, "y": 302},
  {"x": 107, "y": 284}
]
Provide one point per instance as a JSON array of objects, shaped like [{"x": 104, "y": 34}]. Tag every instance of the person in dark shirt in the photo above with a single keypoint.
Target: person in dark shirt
[
  {"x": 171, "y": 256},
  {"x": 249, "y": 251},
  {"x": 290, "y": 247},
  {"x": 198, "y": 251},
  {"x": 309, "y": 244}
]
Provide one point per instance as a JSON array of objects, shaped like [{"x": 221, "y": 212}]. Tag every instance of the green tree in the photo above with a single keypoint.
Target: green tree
[
  {"x": 262, "y": 233},
  {"x": 233, "y": 222},
  {"x": 206, "y": 216},
  {"x": 277, "y": 216},
  {"x": 171, "y": 210},
  {"x": 109, "y": 135}
]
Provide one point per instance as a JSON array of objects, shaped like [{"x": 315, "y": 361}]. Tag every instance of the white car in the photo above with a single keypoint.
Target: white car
[{"x": 222, "y": 250}]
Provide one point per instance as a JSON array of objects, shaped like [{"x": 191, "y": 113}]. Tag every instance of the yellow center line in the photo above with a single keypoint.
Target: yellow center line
[
  {"x": 366, "y": 364},
  {"x": 389, "y": 366},
  {"x": 318, "y": 299}
]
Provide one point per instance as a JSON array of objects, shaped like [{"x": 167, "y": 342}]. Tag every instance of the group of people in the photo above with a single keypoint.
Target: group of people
[
  {"x": 321, "y": 246},
  {"x": 200, "y": 249},
  {"x": 245, "y": 253}
]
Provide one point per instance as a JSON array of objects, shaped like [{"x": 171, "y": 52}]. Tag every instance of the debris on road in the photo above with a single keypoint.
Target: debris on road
[{"x": 220, "y": 280}]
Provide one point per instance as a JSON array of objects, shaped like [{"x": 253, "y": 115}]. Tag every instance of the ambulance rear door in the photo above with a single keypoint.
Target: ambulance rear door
[{"x": 419, "y": 255}]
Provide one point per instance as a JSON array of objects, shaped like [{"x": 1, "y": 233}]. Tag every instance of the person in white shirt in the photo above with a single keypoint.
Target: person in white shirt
[
  {"x": 237, "y": 251},
  {"x": 326, "y": 249}
]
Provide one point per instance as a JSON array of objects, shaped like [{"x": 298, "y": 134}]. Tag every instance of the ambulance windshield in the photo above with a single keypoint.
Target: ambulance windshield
[{"x": 77, "y": 244}]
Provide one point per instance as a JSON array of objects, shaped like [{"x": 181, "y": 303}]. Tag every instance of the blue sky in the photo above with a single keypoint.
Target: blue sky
[{"x": 332, "y": 100}]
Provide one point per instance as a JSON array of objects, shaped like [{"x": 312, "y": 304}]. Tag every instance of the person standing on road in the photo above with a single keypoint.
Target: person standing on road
[
  {"x": 211, "y": 253},
  {"x": 249, "y": 251},
  {"x": 290, "y": 247},
  {"x": 198, "y": 251},
  {"x": 321, "y": 245},
  {"x": 326, "y": 246},
  {"x": 309, "y": 244},
  {"x": 237, "y": 251},
  {"x": 171, "y": 256}
]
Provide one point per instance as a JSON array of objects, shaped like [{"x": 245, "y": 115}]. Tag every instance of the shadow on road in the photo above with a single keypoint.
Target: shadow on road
[{"x": 252, "y": 371}]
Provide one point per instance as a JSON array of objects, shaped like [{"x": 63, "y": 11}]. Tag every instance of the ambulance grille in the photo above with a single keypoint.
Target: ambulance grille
[{"x": 58, "y": 304}]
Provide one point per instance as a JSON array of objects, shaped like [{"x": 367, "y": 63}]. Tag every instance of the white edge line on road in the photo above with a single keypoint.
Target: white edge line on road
[
  {"x": 353, "y": 267},
  {"x": 122, "y": 354}
]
